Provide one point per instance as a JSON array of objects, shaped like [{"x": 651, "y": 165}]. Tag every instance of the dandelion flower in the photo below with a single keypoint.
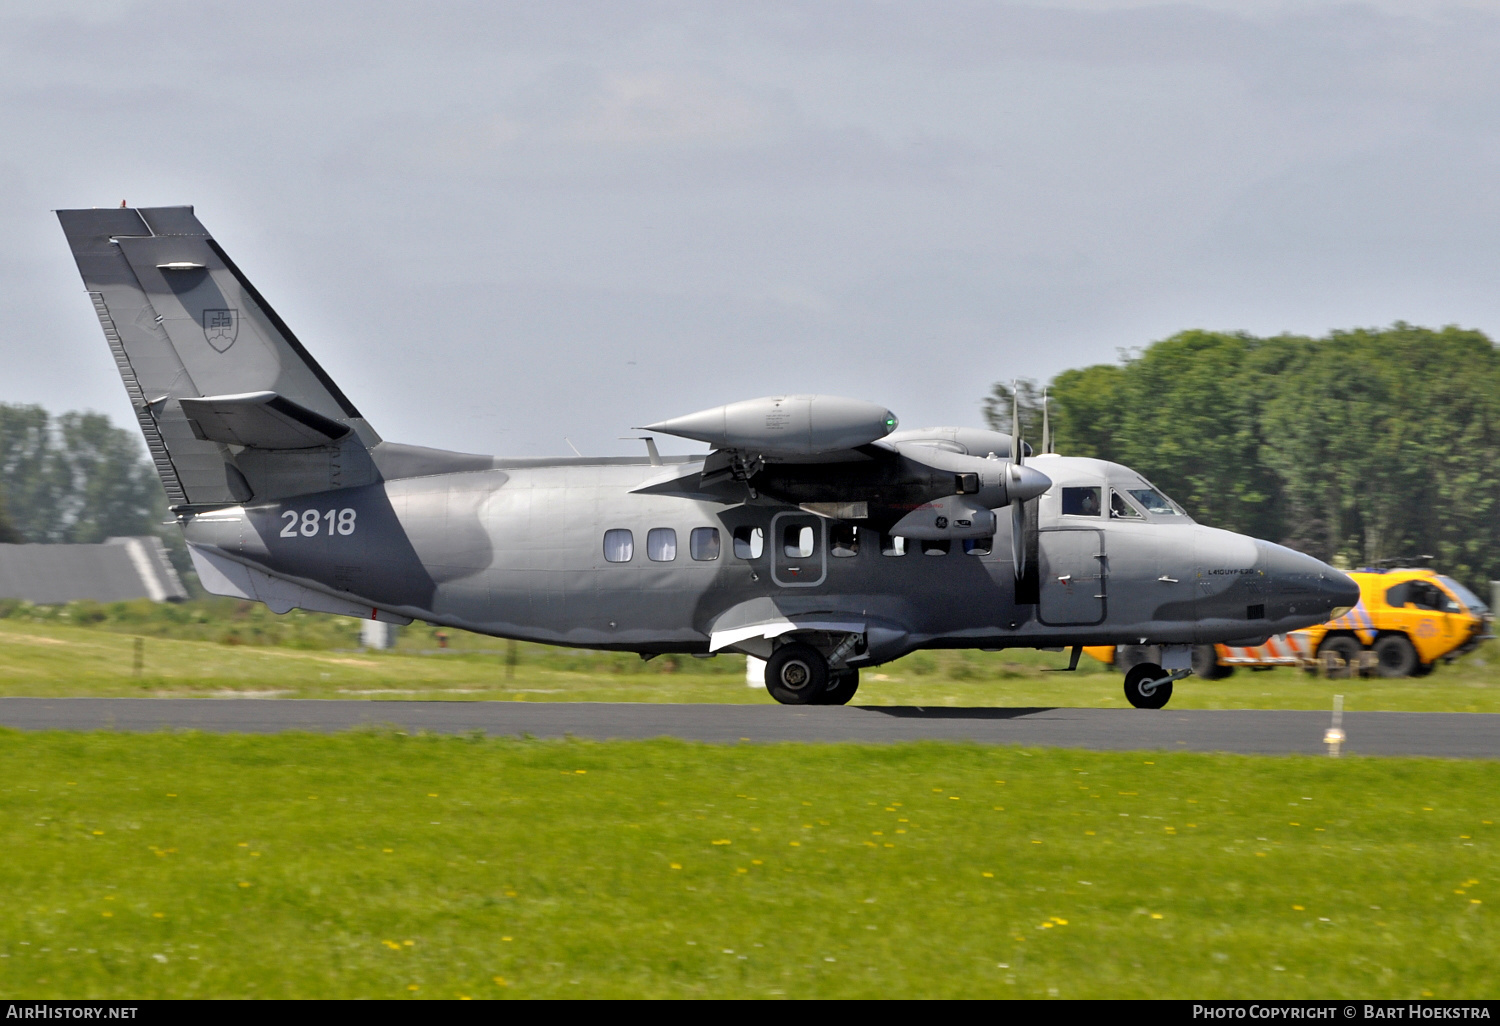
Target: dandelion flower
[
  {"x": 676, "y": 866},
  {"x": 500, "y": 981}
]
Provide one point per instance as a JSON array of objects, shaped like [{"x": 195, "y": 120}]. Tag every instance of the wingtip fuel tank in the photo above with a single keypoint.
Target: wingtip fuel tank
[{"x": 793, "y": 425}]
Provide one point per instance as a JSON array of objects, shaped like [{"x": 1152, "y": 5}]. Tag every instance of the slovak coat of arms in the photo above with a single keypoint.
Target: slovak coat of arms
[{"x": 220, "y": 327}]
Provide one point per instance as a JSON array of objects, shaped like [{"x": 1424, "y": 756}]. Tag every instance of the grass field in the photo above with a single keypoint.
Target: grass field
[
  {"x": 223, "y": 648},
  {"x": 382, "y": 865}
]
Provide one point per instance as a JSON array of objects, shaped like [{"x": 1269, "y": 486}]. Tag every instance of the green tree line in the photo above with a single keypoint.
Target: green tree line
[
  {"x": 1356, "y": 447},
  {"x": 75, "y": 478}
]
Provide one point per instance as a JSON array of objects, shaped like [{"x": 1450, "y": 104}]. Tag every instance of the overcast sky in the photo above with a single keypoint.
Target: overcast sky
[{"x": 497, "y": 225}]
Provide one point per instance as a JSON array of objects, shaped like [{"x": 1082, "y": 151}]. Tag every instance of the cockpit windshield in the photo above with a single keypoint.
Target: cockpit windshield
[
  {"x": 1467, "y": 597},
  {"x": 1156, "y": 503}
]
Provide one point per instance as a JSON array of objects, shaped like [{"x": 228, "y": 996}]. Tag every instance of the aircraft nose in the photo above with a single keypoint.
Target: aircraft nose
[{"x": 1307, "y": 585}]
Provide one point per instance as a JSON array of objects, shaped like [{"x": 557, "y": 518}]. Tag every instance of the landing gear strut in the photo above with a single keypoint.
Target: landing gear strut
[{"x": 1148, "y": 686}]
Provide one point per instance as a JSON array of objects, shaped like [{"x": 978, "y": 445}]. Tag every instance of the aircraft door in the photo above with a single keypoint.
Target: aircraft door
[
  {"x": 1072, "y": 577},
  {"x": 799, "y": 550}
]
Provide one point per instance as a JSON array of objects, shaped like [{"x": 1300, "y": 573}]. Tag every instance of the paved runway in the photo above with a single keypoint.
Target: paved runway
[{"x": 1449, "y": 735}]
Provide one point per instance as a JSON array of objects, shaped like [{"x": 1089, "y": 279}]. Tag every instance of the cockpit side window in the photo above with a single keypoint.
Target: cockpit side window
[
  {"x": 1156, "y": 503},
  {"x": 1120, "y": 507},
  {"x": 1080, "y": 502}
]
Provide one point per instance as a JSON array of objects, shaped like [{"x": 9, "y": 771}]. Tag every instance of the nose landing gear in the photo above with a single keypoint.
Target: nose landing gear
[{"x": 1148, "y": 686}]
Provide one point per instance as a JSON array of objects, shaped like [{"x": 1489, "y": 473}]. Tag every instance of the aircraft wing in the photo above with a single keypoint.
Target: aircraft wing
[{"x": 839, "y": 458}]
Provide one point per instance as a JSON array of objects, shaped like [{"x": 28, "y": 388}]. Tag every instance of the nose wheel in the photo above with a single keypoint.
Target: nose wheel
[{"x": 1148, "y": 686}]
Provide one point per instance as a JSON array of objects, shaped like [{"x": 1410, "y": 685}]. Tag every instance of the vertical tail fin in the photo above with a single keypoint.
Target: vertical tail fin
[{"x": 184, "y": 323}]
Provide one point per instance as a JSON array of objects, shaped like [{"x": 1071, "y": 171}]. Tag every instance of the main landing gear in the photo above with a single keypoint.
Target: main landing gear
[
  {"x": 1148, "y": 686},
  {"x": 798, "y": 674}
]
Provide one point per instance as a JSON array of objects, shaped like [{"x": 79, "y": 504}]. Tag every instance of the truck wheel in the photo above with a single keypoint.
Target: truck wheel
[
  {"x": 1346, "y": 648},
  {"x": 1127, "y": 656},
  {"x": 1423, "y": 669},
  {"x": 796, "y": 674},
  {"x": 1206, "y": 663},
  {"x": 1395, "y": 657}
]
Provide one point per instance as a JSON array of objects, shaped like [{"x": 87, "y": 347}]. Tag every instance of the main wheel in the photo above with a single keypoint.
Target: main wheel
[
  {"x": 796, "y": 674},
  {"x": 841, "y": 687},
  {"x": 1135, "y": 680},
  {"x": 1206, "y": 663},
  {"x": 1424, "y": 669},
  {"x": 1346, "y": 648},
  {"x": 1394, "y": 656}
]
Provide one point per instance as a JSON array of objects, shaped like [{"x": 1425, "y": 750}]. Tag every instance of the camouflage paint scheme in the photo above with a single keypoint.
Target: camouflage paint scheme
[{"x": 266, "y": 463}]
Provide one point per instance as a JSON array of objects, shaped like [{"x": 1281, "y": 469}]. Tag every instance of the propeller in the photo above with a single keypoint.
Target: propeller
[
  {"x": 1017, "y": 505},
  {"x": 1022, "y": 484},
  {"x": 1046, "y": 425}
]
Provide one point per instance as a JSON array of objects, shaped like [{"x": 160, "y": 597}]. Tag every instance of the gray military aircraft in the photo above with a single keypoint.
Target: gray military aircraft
[{"x": 814, "y": 534}]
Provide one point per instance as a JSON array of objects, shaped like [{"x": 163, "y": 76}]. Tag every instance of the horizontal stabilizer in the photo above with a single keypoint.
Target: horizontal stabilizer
[{"x": 260, "y": 420}]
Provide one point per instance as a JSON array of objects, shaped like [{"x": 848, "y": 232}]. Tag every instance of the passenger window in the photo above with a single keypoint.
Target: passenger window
[
  {"x": 935, "y": 548},
  {"x": 1397, "y": 597},
  {"x": 749, "y": 542},
  {"x": 661, "y": 545},
  {"x": 843, "y": 540},
  {"x": 797, "y": 542},
  {"x": 1080, "y": 502},
  {"x": 619, "y": 546},
  {"x": 979, "y": 546},
  {"x": 703, "y": 543},
  {"x": 1121, "y": 509},
  {"x": 892, "y": 546}
]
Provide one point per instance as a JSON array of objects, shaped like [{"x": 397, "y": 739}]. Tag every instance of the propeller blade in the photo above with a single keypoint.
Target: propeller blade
[
  {"x": 1046, "y": 425},
  {"x": 1018, "y": 538},
  {"x": 1016, "y": 455}
]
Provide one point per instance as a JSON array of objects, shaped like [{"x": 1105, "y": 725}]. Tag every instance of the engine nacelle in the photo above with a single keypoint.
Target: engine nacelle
[
  {"x": 953, "y": 516},
  {"x": 793, "y": 425}
]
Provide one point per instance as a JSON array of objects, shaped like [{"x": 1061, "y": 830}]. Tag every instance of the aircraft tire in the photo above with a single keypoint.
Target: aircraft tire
[
  {"x": 796, "y": 674},
  {"x": 1395, "y": 657},
  {"x": 841, "y": 688},
  {"x": 1138, "y": 675}
]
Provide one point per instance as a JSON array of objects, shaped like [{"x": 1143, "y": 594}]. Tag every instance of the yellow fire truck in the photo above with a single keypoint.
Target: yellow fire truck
[{"x": 1406, "y": 621}]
